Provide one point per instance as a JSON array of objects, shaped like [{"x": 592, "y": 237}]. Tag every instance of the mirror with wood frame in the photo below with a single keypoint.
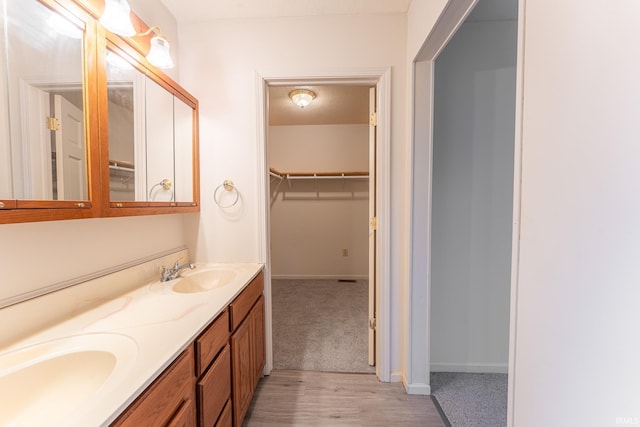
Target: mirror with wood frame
[
  {"x": 45, "y": 159},
  {"x": 151, "y": 133},
  {"x": 80, "y": 137}
]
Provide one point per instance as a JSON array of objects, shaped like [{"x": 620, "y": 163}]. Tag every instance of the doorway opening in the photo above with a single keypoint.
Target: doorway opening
[
  {"x": 322, "y": 197},
  {"x": 468, "y": 92},
  {"x": 305, "y": 190}
]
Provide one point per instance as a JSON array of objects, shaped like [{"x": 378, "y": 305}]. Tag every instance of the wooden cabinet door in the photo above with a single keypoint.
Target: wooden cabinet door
[
  {"x": 214, "y": 389},
  {"x": 257, "y": 332},
  {"x": 226, "y": 418},
  {"x": 247, "y": 353},
  {"x": 169, "y": 399},
  {"x": 185, "y": 416},
  {"x": 242, "y": 373}
]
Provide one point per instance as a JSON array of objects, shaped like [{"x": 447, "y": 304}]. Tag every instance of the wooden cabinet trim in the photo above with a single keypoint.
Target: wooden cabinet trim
[
  {"x": 211, "y": 341},
  {"x": 241, "y": 306},
  {"x": 226, "y": 419},
  {"x": 185, "y": 416},
  {"x": 163, "y": 398}
]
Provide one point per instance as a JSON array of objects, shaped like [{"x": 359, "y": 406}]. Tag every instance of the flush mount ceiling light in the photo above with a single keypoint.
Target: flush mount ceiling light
[
  {"x": 302, "y": 97},
  {"x": 117, "y": 18}
]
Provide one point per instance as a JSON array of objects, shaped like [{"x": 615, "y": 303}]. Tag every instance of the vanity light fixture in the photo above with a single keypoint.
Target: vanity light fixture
[
  {"x": 117, "y": 18},
  {"x": 159, "y": 54},
  {"x": 302, "y": 97}
]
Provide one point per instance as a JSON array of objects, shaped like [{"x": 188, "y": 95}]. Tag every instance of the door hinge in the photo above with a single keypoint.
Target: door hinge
[
  {"x": 374, "y": 223},
  {"x": 373, "y": 119},
  {"x": 372, "y": 323},
  {"x": 53, "y": 123}
]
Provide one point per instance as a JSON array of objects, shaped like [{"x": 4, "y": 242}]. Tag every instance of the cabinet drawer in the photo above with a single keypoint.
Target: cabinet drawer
[
  {"x": 211, "y": 341},
  {"x": 214, "y": 389},
  {"x": 165, "y": 397},
  {"x": 242, "y": 304},
  {"x": 225, "y": 419},
  {"x": 186, "y": 415}
]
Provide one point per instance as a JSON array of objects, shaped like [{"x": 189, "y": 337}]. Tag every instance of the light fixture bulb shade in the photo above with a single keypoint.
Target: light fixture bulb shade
[
  {"x": 302, "y": 97},
  {"x": 117, "y": 18},
  {"x": 159, "y": 54}
]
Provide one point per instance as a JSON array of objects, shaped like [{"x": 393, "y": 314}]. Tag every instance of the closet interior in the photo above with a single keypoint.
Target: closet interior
[{"x": 319, "y": 198}]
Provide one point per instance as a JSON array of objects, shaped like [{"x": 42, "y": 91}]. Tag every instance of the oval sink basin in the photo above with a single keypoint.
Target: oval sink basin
[
  {"x": 46, "y": 383},
  {"x": 203, "y": 280}
]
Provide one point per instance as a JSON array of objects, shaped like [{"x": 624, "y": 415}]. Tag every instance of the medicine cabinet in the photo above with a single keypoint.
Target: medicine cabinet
[{"x": 88, "y": 128}]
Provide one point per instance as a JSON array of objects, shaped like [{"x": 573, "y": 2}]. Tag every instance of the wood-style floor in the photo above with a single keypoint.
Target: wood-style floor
[{"x": 305, "y": 398}]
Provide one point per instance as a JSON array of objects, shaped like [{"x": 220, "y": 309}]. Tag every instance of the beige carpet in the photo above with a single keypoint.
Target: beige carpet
[
  {"x": 320, "y": 325},
  {"x": 471, "y": 400}
]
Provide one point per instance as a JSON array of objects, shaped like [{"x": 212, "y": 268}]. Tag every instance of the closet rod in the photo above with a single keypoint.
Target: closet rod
[
  {"x": 318, "y": 175},
  {"x": 343, "y": 176}
]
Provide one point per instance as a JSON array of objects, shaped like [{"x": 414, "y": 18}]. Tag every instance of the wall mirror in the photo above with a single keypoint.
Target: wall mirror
[
  {"x": 151, "y": 137},
  {"x": 43, "y": 153},
  {"x": 88, "y": 127}
]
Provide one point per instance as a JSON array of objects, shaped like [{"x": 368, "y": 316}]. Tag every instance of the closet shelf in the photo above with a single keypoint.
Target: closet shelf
[{"x": 318, "y": 175}]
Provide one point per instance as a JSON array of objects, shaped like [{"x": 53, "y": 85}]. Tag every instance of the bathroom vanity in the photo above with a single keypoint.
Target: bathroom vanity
[
  {"x": 228, "y": 355},
  {"x": 185, "y": 352}
]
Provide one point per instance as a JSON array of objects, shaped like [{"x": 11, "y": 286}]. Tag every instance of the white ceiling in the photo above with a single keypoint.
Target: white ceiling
[
  {"x": 334, "y": 104},
  {"x": 186, "y": 11}
]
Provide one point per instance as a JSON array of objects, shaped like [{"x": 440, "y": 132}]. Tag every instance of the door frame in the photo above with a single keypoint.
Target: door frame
[
  {"x": 417, "y": 372},
  {"x": 418, "y": 319},
  {"x": 381, "y": 78}
]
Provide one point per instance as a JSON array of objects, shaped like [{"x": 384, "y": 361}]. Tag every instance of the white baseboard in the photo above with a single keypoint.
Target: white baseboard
[
  {"x": 396, "y": 377},
  {"x": 475, "y": 368},
  {"x": 416, "y": 388},
  {"x": 319, "y": 276}
]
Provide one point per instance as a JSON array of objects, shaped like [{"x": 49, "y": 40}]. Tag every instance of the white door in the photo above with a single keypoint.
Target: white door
[
  {"x": 37, "y": 178},
  {"x": 372, "y": 226},
  {"x": 70, "y": 151}
]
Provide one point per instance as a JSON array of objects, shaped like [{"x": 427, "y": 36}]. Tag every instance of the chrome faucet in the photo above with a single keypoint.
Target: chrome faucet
[{"x": 174, "y": 272}]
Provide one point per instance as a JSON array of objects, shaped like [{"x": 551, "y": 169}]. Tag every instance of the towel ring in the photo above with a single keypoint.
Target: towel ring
[
  {"x": 228, "y": 185},
  {"x": 166, "y": 186}
]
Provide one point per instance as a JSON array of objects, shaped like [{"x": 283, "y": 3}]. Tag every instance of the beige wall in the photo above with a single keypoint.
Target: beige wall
[
  {"x": 221, "y": 60},
  {"x": 577, "y": 285},
  {"x": 312, "y": 222},
  {"x": 154, "y": 13}
]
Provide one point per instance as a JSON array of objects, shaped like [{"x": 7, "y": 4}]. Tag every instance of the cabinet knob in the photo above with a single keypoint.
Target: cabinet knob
[
  {"x": 80, "y": 205},
  {"x": 118, "y": 205}
]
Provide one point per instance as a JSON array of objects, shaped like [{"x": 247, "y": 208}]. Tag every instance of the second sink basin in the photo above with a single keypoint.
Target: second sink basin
[
  {"x": 47, "y": 383},
  {"x": 202, "y": 280}
]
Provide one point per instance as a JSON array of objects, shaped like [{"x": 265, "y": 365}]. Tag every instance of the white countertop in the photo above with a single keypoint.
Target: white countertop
[{"x": 161, "y": 323}]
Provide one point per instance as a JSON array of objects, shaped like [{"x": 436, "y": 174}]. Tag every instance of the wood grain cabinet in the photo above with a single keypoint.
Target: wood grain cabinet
[
  {"x": 213, "y": 366},
  {"x": 168, "y": 401},
  {"x": 247, "y": 346},
  {"x": 211, "y": 383}
]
